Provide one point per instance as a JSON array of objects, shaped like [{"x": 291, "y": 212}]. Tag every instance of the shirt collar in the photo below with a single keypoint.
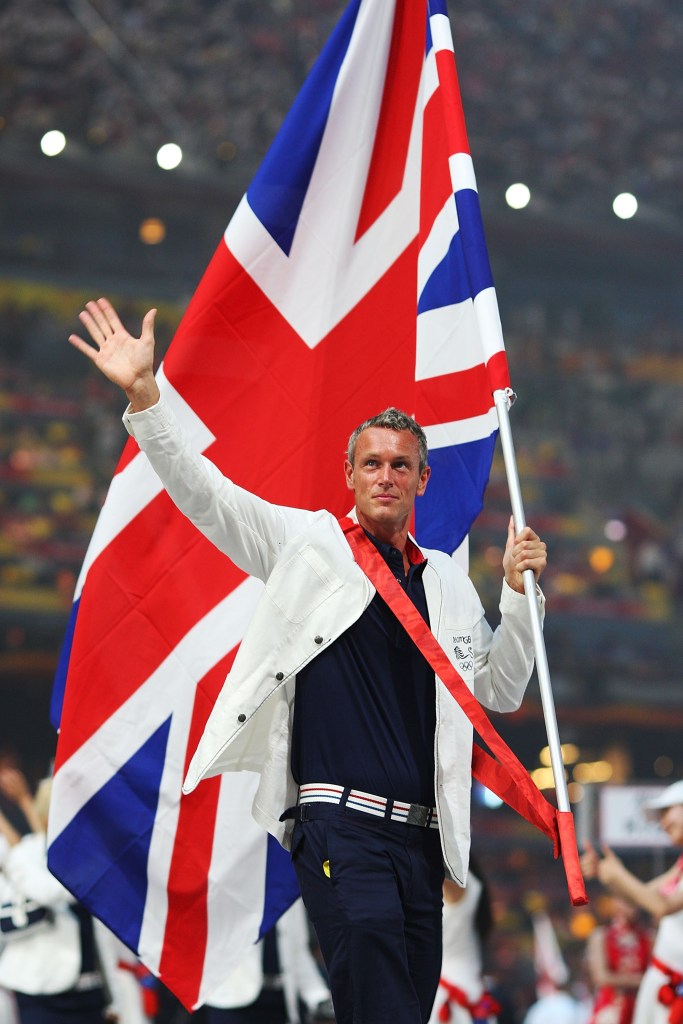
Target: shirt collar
[{"x": 388, "y": 551}]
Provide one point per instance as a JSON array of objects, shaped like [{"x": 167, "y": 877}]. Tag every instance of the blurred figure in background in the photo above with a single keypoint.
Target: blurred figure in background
[
  {"x": 277, "y": 982},
  {"x": 138, "y": 988},
  {"x": 8, "y": 1012},
  {"x": 660, "y": 996},
  {"x": 59, "y": 962},
  {"x": 555, "y": 1003},
  {"x": 618, "y": 955},
  {"x": 467, "y": 921}
]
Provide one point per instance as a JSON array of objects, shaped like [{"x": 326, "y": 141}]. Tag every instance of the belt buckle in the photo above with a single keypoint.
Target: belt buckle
[{"x": 418, "y": 815}]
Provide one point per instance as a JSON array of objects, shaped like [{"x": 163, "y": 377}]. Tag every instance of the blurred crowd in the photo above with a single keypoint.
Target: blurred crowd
[
  {"x": 55, "y": 467},
  {"x": 579, "y": 96},
  {"x": 207, "y": 75},
  {"x": 578, "y": 101}
]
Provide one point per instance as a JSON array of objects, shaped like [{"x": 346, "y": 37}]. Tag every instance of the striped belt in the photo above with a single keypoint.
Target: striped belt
[
  {"x": 368, "y": 803},
  {"x": 88, "y": 981}
]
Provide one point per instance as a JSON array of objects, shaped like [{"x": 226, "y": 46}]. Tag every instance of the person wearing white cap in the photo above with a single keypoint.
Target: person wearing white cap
[{"x": 660, "y": 996}]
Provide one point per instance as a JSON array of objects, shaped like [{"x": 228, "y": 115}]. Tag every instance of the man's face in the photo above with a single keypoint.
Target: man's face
[{"x": 385, "y": 478}]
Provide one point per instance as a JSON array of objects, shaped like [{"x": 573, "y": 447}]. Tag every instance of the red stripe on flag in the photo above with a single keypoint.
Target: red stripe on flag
[
  {"x": 183, "y": 961},
  {"x": 183, "y": 954},
  {"x": 130, "y": 449},
  {"x": 449, "y": 95},
  {"x": 437, "y": 185},
  {"x": 404, "y": 69},
  {"x": 459, "y": 396}
]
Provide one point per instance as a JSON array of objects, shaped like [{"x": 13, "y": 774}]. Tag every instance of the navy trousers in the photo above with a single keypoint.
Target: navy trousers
[
  {"x": 269, "y": 1008},
  {"x": 373, "y": 891},
  {"x": 62, "y": 1008}
]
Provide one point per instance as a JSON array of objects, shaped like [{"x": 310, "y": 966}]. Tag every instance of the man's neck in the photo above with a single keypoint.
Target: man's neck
[
  {"x": 386, "y": 534},
  {"x": 397, "y": 537}
]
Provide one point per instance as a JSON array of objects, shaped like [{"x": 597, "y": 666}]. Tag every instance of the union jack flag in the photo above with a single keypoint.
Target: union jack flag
[{"x": 352, "y": 276}]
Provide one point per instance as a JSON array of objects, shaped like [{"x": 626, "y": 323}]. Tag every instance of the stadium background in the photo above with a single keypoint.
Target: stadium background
[{"x": 580, "y": 102}]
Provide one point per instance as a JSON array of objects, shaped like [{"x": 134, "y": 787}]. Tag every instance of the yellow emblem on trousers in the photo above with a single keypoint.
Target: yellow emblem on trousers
[{"x": 326, "y": 868}]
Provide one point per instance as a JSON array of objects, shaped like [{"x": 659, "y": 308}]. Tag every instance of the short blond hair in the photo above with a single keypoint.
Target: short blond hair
[{"x": 392, "y": 419}]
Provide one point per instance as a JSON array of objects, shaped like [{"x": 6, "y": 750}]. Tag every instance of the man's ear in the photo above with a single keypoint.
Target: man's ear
[
  {"x": 424, "y": 479},
  {"x": 348, "y": 473}
]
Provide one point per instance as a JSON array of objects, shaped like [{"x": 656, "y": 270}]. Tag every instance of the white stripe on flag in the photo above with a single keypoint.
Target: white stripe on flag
[
  {"x": 430, "y": 80},
  {"x": 237, "y": 876},
  {"x": 444, "y": 340},
  {"x": 476, "y": 428},
  {"x": 440, "y": 28},
  {"x": 462, "y": 172},
  {"x": 458, "y": 337},
  {"x": 488, "y": 319}
]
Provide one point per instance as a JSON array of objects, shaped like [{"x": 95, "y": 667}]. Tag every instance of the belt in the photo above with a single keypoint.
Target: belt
[
  {"x": 88, "y": 981},
  {"x": 368, "y": 803}
]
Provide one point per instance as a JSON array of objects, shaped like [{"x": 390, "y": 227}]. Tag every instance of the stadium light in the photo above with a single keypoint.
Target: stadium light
[
  {"x": 152, "y": 231},
  {"x": 625, "y": 205},
  {"x": 485, "y": 797},
  {"x": 169, "y": 156},
  {"x": 615, "y": 530},
  {"x": 52, "y": 143},
  {"x": 518, "y": 196}
]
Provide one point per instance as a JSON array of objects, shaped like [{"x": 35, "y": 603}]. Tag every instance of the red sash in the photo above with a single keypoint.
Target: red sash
[
  {"x": 148, "y": 984},
  {"x": 486, "y": 1005},
  {"x": 506, "y": 776},
  {"x": 671, "y": 993}
]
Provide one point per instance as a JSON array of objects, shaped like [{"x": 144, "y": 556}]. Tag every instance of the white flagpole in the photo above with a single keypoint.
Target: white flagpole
[{"x": 503, "y": 399}]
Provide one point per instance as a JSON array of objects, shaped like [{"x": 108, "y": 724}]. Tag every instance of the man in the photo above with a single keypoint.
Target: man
[
  {"x": 366, "y": 776},
  {"x": 660, "y": 994}
]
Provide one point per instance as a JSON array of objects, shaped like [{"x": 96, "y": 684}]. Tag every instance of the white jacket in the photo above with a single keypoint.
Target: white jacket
[
  {"x": 313, "y": 592},
  {"x": 49, "y": 961}
]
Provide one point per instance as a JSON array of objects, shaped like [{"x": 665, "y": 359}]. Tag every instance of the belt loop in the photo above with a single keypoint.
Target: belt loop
[{"x": 343, "y": 799}]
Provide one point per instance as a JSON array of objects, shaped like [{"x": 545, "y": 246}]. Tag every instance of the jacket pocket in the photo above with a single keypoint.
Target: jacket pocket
[{"x": 301, "y": 584}]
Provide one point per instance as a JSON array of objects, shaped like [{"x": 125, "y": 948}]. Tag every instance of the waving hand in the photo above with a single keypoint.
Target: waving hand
[{"x": 123, "y": 359}]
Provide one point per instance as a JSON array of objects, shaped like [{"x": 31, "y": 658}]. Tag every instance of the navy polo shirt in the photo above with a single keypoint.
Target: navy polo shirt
[{"x": 364, "y": 712}]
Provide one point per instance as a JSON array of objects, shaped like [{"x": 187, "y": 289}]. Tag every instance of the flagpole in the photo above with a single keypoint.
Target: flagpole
[{"x": 503, "y": 399}]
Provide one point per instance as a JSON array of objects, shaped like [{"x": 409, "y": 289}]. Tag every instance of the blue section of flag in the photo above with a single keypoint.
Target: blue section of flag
[
  {"x": 282, "y": 887},
  {"x": 475, "y": 254},
  {"x": 447, "y": 284},
  {"x": 278, "y": 189},
  {"x": 59, "y": 685},
  {"x": 436, "y": 7},
  {"x": 461, "y": 470},
  {"x": 465, "y": 269},
  {"x": 102, "y": 855}
]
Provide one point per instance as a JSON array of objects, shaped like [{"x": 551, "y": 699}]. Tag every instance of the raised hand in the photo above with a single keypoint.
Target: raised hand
[
  {"x": 590, "y": 861},
  {"x": 123, "y": 359},
  {"x": 524, "y": 550}
]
